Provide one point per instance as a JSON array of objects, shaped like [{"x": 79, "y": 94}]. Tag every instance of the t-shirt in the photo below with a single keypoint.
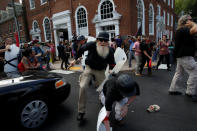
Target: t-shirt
[
  {"x": 147, "y": 48},
  {"x": 137, "y": 47},
  {"x": 163, "y": 48},
  {"x": 184, "y": 43}
]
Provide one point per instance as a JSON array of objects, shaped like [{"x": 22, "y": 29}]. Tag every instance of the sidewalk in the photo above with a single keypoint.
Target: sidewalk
[{"x": 78, "y": 67}]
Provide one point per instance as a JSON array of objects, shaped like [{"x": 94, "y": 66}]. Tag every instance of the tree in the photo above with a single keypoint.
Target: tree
[{"x": 188, "y": 6}]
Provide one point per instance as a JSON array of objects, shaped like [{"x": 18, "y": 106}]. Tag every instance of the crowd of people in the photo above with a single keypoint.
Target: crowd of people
[{"x": 101, "y": 54}]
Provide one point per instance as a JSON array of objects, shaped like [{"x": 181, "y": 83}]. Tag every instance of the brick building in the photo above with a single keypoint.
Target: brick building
[
  {"x": 59, "y": 19},
  {"x": 7, "y": 22}
]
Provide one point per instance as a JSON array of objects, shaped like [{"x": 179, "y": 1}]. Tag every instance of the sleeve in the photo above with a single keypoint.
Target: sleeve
[
  {"x": 83, "y": 48},
  {"x": 111, "y": 59}
]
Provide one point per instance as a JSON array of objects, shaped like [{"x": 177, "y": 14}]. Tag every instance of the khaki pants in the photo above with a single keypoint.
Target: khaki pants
[
  {"x": 84, "y": 80},
  {"x": 188, "y": 64}
]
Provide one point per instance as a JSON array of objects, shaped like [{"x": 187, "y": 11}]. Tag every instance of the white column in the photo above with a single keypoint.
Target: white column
[
  {"x": 117, "y": 30},
  {"x": 56, "y": 41}
]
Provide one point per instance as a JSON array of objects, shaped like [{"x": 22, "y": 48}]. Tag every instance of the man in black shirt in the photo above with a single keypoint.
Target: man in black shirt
[
  {"x": 121, "y": 90},
  {"x": 146, "y": 48},
  {"x": 184, "y": 52},
  {"x": 99, "y": 56}
]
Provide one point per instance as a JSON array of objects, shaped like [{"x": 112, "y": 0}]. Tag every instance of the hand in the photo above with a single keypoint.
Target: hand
[
  {"x": 190, "y": 24},
  {"x": 124, "y": 111},
  {"x": 7, "y": 47},
  {"x": 73, "y": 63}
]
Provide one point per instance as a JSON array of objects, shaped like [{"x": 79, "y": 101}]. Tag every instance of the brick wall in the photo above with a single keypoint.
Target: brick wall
[{"x": 127, "y": 8}]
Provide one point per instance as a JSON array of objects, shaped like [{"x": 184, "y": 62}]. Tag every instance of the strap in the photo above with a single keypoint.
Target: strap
[{"x": 9, "y": 62}]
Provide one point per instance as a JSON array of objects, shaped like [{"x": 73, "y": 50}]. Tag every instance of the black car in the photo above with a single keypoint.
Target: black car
[{"x": 27, "y": 98}]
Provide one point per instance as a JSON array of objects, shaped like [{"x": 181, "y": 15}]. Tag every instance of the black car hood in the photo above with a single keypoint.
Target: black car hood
[{"x": 30, "y": 76}]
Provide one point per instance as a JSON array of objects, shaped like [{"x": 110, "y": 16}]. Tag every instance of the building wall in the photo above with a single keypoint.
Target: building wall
[
  {"x": 8, "y": 27},
  {"x": 127, "y": 8}
]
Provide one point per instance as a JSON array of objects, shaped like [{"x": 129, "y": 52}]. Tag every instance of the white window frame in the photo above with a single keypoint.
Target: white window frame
[
  {"x": 35, "y": 21},
  {"x": 143, "y": 15},
  {"x": 42, "y": 3},
  {"x": 168, "y": 2},
  {"x": 76, "y": 19},
  {"x": 168, "y": 19},
  {"x": 30, "y": 4},
  {"x": 172, "y": 4},
  {"x": 159, "y": 7},
  {"x": 100, "y": 8},
  {"x": 153, "y": 22},
  {"x": 45, "y": 37},
  {"x": 164, "y": 17},
  {"x": 172, "y": 21}
]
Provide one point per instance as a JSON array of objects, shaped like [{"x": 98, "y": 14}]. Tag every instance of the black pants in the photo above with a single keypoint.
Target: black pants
[
  {"x": 167, "y": 59},
  {"x": 144, "y": 60},
  {"x": 65, "y": 60}
]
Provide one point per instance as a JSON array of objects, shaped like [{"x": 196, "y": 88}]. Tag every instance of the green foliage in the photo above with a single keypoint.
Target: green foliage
[{"x": 188, "y": 6}]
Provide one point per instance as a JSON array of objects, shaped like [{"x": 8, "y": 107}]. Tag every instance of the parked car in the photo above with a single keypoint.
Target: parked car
[{"x": 28, "y": 98}]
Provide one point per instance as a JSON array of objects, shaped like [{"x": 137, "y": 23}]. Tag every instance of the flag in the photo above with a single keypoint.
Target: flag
[
  {"x": 139, "y": 31},
  {"x": 17, "y": 39}
]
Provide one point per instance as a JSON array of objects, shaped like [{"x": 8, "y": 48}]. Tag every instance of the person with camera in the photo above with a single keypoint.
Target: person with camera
[{"x": 184, "y": 53}]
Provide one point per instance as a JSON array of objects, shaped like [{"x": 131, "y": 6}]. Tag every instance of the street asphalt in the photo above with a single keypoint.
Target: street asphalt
[{"x": 178, "y": 113}]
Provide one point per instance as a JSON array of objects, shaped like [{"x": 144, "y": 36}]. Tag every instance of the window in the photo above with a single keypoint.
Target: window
[
  {"x": 168, "y": 19},
  {"x": 169, "y": 2},
  {"x": 35, "y": 26},
  {"x": 172, "y": 4},
  {"x": 151, "y": 19},
  {"x": 158, "y": 10},
  {"x": 164, "y": 17},
  {"x": 20, "y": 27},
  {"x": 47, "y": 29},
  {"x": 140, "y": 16},
  {"x": 43, "y": 2},
  {"x": 81, "y": 21},
  {"x": 32, "y": 4},
  {"x": 172, "y": 20},
  {"x": 106, "y": 10},
  {"x": 81, "y": 18}
]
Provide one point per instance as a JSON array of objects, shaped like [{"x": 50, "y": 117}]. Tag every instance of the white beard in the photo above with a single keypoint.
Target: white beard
[{"x": 102, "y": 51}]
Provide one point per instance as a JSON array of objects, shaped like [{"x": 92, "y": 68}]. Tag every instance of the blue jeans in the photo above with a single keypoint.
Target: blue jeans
[
  {"x": 130, "y": 56},
  {"x": 154, "y": 58}
]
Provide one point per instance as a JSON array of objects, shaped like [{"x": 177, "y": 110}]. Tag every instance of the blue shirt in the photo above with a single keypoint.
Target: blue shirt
[{"x": 131, "y": 44}]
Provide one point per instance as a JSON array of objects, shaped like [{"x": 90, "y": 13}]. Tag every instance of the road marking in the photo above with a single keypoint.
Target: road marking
[{"x": 62, "y": 72}]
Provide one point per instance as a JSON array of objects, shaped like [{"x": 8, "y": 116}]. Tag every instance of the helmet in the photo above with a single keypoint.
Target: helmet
[
  {"x": 126, "y": 85},
  {"x": 81, "y": 37},
  {"x": 103, "y": 35}
]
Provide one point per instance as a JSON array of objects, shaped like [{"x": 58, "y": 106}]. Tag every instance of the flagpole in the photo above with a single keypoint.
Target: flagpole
[{"x": 16, "y": 21}]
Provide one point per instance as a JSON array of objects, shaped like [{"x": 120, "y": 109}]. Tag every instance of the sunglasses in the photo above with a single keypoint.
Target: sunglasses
[{"x": 101, "y": 40}]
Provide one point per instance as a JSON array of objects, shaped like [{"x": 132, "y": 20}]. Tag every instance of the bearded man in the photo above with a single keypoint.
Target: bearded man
[{"x": 99, "y": 56}]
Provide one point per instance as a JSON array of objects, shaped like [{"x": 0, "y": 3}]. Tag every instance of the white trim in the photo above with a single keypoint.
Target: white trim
[
  {"x": 42, "y": 3},
  {"x": 143, "y": 20},
  {"x": 153, "y": 16},
  {"x": 168, "y": 2},
  {"x": 172, "y": 21},
  {"x": 61, "y": 20},
  {"x": 164, "y": 17},
  {"x": 99, "y": 8},
  {"x": 168, "y": 19},
  {"x": 106, "y": 22},
  {"x": 43, "y": 24},
  {"x": 76, "y": 23},
  {"x": 30, "y": 5}
]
